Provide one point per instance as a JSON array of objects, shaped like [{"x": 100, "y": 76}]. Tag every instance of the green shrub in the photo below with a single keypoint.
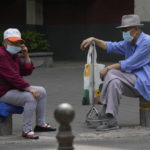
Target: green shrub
[
  {"x": 1, "y": 37},
  {"x": 35, "y": 41}
]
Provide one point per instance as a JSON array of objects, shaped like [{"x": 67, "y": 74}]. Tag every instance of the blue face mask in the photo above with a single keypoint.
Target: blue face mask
[
  {"x": 13, "y": 49},
  {"x": 127, "y": 37}
]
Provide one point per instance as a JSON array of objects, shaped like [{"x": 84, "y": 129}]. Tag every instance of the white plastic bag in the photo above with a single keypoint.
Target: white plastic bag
[{"x": 92, "y": 82}]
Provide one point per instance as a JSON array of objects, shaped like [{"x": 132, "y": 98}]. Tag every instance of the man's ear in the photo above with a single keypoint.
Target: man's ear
[{"x": 138, "y": 29}]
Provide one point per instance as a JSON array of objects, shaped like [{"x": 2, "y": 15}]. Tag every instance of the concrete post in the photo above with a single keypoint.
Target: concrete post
[
  {"x": 6, "y": 127},
  {"x": 64, "y": 114},
  {"x": 39, "y": 12},
  {"x": 34, "y": 12}
]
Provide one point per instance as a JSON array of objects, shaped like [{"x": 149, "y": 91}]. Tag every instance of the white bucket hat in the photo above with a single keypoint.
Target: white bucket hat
[{"x": 130, "y": 21}]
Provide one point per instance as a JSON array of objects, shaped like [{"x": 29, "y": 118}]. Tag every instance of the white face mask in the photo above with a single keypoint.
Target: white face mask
[
  {"x": 13, "y": 49},
  {"x": 127, "y": 36}
]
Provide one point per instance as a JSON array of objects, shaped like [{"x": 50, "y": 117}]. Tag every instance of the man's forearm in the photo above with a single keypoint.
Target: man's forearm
[
  {"x": 100, "y": 43},
  {"x": 114, "y": 66},
  {"x": 27, "y": 58}
]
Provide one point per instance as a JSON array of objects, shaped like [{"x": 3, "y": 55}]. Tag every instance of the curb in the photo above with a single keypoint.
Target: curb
[{"x": 122, "y": 133}]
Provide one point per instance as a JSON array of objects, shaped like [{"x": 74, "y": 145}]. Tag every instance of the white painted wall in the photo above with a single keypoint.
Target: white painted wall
[{"x": 142, "y": 8}]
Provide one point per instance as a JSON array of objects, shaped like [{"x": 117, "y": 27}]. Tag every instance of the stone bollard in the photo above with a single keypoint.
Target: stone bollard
[
  {"x": 64, "y": 114},
  {"x": 6, "y": 126},
  {"x": 144, "y": 112}
]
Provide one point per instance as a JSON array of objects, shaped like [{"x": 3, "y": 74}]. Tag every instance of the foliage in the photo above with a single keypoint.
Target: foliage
[
  {"x": 1, "y": 37},
  {"x": 35, "y": 41}
]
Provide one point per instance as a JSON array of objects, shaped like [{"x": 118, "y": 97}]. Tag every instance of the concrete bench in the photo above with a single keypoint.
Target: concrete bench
[
  {"x": 44, "y": 59},
  {"x": 7, "y": 111},
  {"x": 144, "y": 112},
  {"x": 6, "y": 127}
]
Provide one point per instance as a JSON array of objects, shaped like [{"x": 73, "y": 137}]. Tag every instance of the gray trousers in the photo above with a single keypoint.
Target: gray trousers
[
  {"x": 30, "y": 104},
  {"x": 116, "y": 84}
]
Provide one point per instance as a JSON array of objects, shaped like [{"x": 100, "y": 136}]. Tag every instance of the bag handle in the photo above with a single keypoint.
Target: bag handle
[{"x": 92, "y": 51}]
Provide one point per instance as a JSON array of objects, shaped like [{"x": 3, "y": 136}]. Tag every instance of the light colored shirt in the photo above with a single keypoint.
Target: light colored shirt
[{"x": 137, "y": 61}]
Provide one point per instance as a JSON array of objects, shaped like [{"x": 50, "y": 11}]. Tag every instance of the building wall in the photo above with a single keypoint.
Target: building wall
[
  {"x": 142, "y": 8},
  {"x": 66, "y": 39},
  {"x": 13, "y": 12},
  {"x": 70, "y": 21},
  {"x": 86, "y": 11}
]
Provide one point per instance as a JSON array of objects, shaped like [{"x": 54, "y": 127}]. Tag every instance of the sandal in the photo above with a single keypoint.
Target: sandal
[
  {"x": 106, "y": 125},
  {"x": 45, "y": 128},
  {"x": 30, "y": 135}
]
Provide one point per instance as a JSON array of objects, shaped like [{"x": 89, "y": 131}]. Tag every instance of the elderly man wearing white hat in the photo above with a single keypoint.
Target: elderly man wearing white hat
[
  {"x": 129, "y": 77},
  {"x": 15, "y": 90}
]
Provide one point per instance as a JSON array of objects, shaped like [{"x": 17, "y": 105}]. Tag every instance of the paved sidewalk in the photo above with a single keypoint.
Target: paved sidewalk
[{"x": 64, "y": 83}]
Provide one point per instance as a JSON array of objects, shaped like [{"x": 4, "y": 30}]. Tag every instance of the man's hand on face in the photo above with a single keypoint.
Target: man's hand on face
[
  {"x": 21, "y": 44},
  {"x": 24, "y": 50}
]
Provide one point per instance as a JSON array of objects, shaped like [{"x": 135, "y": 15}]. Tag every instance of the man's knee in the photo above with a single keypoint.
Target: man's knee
[
  {"x": 29, "y": 97},
  {"x": 113, "y": 72},
  {"x": 42, "y": 90},
  {"x": 110, "y": 74}
]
